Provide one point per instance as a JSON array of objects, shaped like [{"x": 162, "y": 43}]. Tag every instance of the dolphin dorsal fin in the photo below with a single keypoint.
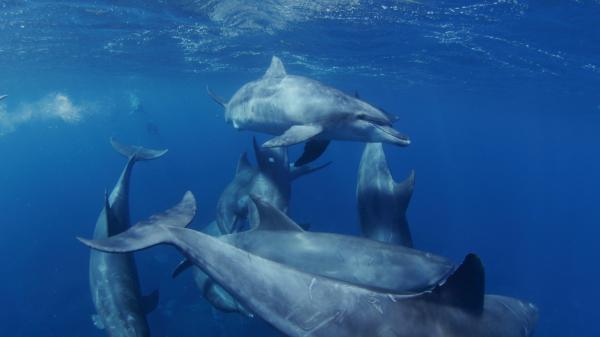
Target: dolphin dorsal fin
[
  {"x": 113, "y": 227},
  {"x": 276, "y": 69},
  {"x": 465, "y": 287},
  {"x": 268, "y": 218},
  {"x": 243, "y": 163}
]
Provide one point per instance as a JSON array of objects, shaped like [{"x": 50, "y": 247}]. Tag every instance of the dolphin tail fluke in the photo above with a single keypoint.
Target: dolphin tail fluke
[
  {"x": 216, "y": 98},
  {"x": 136, "y": 152},
  {"x": 150, "y": 232},
  {"x": 150, "y": 301}
]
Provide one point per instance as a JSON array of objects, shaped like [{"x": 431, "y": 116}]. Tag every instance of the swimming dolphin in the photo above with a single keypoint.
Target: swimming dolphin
[
  {"x": 300, "y": 304},
  {"x": 3, "y": 97},
  {"x": 121, "y": 310},
  {"x": 298, "y": 109},
  {"x": 382, "y": 202},
  {"x": 271, "y": 180}
]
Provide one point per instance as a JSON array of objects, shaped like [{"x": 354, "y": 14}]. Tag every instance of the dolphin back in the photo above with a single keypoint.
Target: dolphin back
[{"x": 137, "y": 152}]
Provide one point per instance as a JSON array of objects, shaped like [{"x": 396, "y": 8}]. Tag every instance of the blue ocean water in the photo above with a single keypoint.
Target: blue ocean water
[{"x": 500, "y": 98}]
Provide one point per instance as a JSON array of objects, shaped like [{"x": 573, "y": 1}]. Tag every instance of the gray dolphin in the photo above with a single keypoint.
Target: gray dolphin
[
  {"x": 382, "y": 202},
  {"x": 121, "y": 309},
  {"x": 298, "y": 109},
  {"x": 271, "y": 180},
  {"x": 301, "y": 304},
  {"x": 3, "y": 97},
  {"x": 351, "y": 259}
]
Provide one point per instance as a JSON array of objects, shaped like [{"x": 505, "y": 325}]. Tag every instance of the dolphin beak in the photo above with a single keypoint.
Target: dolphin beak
[{"x": 391, "y": 135}]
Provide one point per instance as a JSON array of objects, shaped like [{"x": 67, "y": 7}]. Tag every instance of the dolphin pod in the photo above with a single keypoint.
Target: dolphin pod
[
  {"x": 300, "y": 303},
  {"x": 382, "y": 202},
  {"x": 297, "y": 109},
  {"x": 270, "y": 180},
  {"x": 114, "y": 284}
]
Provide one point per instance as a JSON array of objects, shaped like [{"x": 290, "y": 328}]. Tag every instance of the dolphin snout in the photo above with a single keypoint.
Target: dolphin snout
[{"x": 391, "y": 135}]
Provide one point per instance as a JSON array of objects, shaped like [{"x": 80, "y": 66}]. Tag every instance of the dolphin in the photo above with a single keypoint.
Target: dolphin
[
  {"x": 114, "y": 284},
  {"x": 382, "y": 202},
  {"x": 271, "y": 180},
  {"x": 300, "y": 303},
  {"x": 297, "y": 109},
  {"x": 3, "y": 97}
]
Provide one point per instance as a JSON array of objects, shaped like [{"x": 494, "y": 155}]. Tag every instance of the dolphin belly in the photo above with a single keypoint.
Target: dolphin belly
[{"x": 116, "y": 296}]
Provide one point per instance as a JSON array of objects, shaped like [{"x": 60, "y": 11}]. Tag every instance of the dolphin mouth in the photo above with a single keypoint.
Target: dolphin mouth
[{"x": 396, "y": 137}]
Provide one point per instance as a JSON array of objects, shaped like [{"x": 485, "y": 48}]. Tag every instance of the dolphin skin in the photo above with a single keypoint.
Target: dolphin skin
[
  {"x": 382, "y": 202},
  {"x": 299, "y": 303},
  {"x": 278, "y": 238},
  {"x": 297, "y": 109},
  {"x": 121, "y": 309},
  {"x": 271, "y": 180}
]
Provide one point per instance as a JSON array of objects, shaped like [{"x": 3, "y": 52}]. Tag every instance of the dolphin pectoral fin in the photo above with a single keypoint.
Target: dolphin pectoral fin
[
  {"x": 150, "y": 301},
  {"x": 97, "y": 322},
  {"x": 136, "y": 152},
  {"x": 266, "y": 217},
  {"x": 216, "y": 98},
  {"x": 297, "y": 172},
  {"x": 465, "y": 287},
  {"x": 294, "y": 135},
  {"x": 313, "y": 149},
  {"x": 181, "y": 267}
]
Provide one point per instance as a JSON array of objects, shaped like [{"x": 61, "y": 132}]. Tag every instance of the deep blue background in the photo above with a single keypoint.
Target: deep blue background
[{"x": 505, "y": 143}]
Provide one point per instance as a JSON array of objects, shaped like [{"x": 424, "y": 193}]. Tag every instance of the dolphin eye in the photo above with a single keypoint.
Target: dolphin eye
[{"x": 361, "y": 117}]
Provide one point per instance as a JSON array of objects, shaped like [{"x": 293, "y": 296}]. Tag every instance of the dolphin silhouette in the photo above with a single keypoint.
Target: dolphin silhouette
[
  {"x": 300, "y": 303},
  {"x": 298, "y": 109},
  {"x": 114, "y": 284}
]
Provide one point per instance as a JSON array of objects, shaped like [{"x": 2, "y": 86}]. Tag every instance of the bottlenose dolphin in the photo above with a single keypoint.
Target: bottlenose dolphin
[
  {"x": 351, "y": 259},
  {"x": 271, "y": 180},
  {"x": 3, "y": 97},
  {"x": 300, "y": 304},
  {"x": 382, "y": 202},
  {"x": 121, "y": 310},
  {"x": 298, "y": 109}
]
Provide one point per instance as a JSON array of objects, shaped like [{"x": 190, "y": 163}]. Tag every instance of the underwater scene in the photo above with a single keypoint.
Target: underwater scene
[{"x": 326, "y": 168}]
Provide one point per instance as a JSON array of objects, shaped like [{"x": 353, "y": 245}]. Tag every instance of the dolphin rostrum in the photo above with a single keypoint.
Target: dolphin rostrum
[
  {"x": 121, "y": 310},
  {"x": 300, "y": 303},
  {"x": 271, "y": 180},
  {"x": 297, "y": 109},
  {"x": 382, "y": 202},
  {"x": 3, "y": 97}
]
